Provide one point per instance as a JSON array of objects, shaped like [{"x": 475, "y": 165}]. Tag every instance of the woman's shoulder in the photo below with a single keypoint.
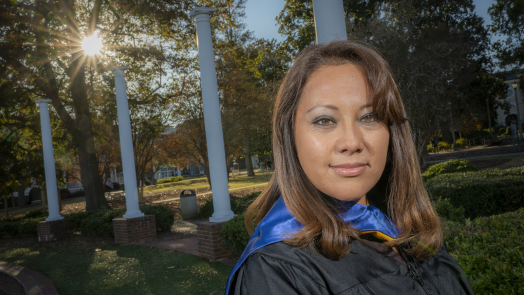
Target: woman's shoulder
[
  {"x": 291, "y": 270},
  {"x": 275, "y": 269},
  {"x": 284, "y": 265}
]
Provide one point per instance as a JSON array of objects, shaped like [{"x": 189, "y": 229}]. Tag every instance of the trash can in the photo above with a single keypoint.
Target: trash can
[{"x": 188, "y": 204}]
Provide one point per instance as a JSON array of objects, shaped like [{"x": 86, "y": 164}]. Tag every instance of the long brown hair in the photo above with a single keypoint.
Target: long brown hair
[{"x": 408, "y": 203}]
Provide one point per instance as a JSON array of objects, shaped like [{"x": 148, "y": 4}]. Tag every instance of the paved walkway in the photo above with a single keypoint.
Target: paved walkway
[
  {"x": 474, "y": 153},
  {"x": 186, "y": 245}
]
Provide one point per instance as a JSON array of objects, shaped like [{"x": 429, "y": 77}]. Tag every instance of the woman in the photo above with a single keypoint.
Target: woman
[{"x": 342, "y": 147}]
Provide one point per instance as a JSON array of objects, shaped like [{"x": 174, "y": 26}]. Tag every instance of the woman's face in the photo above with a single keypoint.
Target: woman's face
[{"x": 341, "y": 145}]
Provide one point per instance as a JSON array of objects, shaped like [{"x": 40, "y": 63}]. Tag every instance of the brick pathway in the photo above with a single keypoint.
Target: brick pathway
[{"x": 183, "y": 239}]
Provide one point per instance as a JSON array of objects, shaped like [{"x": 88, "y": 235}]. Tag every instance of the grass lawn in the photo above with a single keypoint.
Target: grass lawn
[
  {"x": 234, "y": 182},
  {"x": 95, "y": 267}
]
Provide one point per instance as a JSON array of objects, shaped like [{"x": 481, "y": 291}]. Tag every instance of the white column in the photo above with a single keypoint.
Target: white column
[
  {"x": 212, "y": 119},
  {"x": 330, "y": 23},
  {"x": 126, "y": 144},
  {"x": 49, "y": 161}
]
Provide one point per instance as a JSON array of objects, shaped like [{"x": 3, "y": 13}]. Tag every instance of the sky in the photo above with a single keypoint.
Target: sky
[{"x": 261, "y": 14}]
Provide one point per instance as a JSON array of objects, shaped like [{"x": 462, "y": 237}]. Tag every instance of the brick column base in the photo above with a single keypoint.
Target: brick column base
[
  {"x": 50, "y": 230},
  {"x": 137, "y": 229},
  {"x": 209, "y": 242}
]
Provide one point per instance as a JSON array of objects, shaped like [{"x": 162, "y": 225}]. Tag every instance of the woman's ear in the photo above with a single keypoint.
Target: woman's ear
[{"x": 378, "y": 195}]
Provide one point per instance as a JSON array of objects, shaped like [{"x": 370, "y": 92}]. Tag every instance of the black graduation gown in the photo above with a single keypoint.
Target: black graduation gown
[{"x": 369, "y": 268}]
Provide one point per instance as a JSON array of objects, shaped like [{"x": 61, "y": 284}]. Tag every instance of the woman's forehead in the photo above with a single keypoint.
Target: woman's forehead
[{"x": 340, "y": 84}]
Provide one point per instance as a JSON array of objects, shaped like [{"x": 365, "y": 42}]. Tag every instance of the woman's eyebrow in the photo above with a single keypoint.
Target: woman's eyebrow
[
  {"x": 365, "y": 106},
  {"x": 323, "y": 106}
]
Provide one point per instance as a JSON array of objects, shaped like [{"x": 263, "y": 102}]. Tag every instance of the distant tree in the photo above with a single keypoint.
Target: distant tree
[
  {"x": 508, "y": 20},
  {"x": 297, "y": 21},
  {"x": 41, "y": 43},
  {"x": 437, "y": 50}
]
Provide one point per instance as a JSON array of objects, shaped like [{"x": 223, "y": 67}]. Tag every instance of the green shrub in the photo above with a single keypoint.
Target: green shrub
[
  {"x": 245, "y": 201},
  {"x": 35, "y": 194},
  {"x": 481, "y": 193},
  {"x": 489, "y": 251},
  {"x": 207, "y": 210},
  {"x": 234, "y": 234},
  {"x": 502, "y": 130},
  {"x": 65, "y": 193},
  {"x": 77, "y": 194},
  {"x": 504, "y": 134},
  {"x": 430, "y": 148},
  {"x": 170, "y": 179},
  {"x": 20, "y": 226},
  {"x": 100, "y": 223},
  {"x": 147, "y": 182},
  {"x": 164, "y": 217},
  {"x": 448, "y": 167},
  {"x": 462, "y": 142},
  {"x": 447, "y": 211},
  {"x": 35, "y": 213},
  {"x": 93, "y": 223},
  {"x": 442, "y": 145},
  {"x": 90, "y": 223},
  {"x": 238, "y": 205}
]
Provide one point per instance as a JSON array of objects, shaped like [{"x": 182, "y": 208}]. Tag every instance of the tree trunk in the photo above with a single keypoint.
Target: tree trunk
[
  {"x": 93, "y": 188},
  {"x": 152, "y": 175},
  {"x": 44, "y": 197},
  {"x": 91, "y": 181},
  {"x": 143, "y": 182},
  {"x": 208, "y": 176},
  {"x": 247, "y": 153},
  {"x": 5, "y": 206},
  {"x": 59, "y": 200},
  {"x": 21, "y": 194},
  {"x": 446, "y": 132}
]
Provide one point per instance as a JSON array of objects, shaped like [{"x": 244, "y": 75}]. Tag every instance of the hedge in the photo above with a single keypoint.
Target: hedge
[
  {"x": 170, "y": 179},
  {"x": 490, "y": 251},
  {"x": 238, "y": 205},
  {"x": 91, "y": 223},
  {"x": 481, "y": 193},
  {"x": 450, "y": 166},
  {"x": 447, "y": 211},
  {"x": 234, "y": 234}
]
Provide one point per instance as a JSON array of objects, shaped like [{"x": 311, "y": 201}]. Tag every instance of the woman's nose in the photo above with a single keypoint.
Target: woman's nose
[{"x": 349, "y": 140}]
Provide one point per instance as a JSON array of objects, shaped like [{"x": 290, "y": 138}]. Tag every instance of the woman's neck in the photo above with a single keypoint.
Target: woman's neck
[{"x": 363, "y": 201}]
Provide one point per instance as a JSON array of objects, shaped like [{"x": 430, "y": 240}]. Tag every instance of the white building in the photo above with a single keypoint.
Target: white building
[{"x": 514, "y": 98}]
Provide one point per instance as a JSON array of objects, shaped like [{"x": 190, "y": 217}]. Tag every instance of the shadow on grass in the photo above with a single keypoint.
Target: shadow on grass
[{"x": 98, "y": 267}]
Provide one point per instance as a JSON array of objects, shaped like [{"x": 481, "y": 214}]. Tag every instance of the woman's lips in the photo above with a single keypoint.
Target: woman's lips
[{"x": 351, "y": 169}]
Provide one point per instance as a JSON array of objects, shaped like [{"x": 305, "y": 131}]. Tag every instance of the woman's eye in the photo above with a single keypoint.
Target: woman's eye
[
  {"x": 369, "y": 118},
  {"x": 324, "y": 122}
]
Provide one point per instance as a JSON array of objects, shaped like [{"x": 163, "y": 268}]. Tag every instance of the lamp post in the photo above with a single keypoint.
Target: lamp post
[
  {"x": 126, "y": 144},
  {"x": 330, "y": 23},
  {"x": 212, "y": 117},
  {"x": 489, "y": 118},
  {"x": 49, "y": 162},
  {"x": 515, "y": 88},
  {"x": 452, "y": 128}
]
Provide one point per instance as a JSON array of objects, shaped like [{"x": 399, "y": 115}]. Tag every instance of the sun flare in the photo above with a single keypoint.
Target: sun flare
[{"x": 92, "y": 45}]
